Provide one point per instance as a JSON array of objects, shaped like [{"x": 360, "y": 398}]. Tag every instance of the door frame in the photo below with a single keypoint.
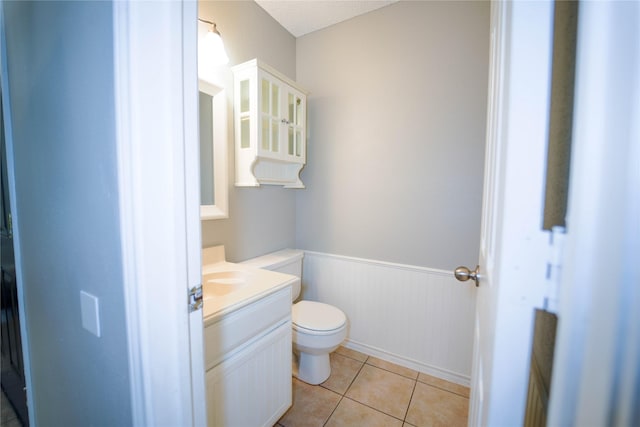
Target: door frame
[
  {"x": 596, "y": 373},
  {"x": 156, "y": 114}
]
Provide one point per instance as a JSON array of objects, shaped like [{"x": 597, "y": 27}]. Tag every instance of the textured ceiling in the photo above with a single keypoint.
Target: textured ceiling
[{"x": 301, "y": 17}]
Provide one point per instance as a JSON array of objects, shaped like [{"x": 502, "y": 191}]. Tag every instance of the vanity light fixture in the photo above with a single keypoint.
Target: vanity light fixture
[{"x": 211, "y": 46}]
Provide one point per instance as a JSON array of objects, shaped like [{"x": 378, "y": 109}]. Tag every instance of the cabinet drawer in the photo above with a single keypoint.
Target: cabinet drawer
[{"x": 237, "y": 328}]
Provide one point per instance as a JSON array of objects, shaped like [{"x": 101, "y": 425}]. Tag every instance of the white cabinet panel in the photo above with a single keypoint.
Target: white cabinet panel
[
  {"x": 253, "y": 388},
  {"x": 248, "y": 363}
]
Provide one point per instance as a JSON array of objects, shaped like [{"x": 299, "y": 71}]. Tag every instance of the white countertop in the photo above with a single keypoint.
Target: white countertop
[{"x": 258, "y": 283}]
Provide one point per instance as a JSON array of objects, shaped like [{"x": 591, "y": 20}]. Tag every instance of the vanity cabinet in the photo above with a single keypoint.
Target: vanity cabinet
[
  {"x": 270, "y": 126},
  {"x": 248, "y": 362}
]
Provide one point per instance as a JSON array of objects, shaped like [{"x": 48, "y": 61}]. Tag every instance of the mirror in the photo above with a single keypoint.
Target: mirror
[{"x": 213, "y": 151}]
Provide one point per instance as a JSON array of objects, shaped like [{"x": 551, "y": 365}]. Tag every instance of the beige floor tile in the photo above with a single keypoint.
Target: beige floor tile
[
  {"x": 400, "y": 370},
  {"x": 343, "y": 371},
  {"x": 351, "y": 353},
  {"x": 312, "y": 405},
  {"x": 351, "y": 413},
  {"x": 383, "y": 390},
  {"x": 433, "y": 407},
  {"x": 444, "y": 384},
  {"x": 406, "y": 424}
]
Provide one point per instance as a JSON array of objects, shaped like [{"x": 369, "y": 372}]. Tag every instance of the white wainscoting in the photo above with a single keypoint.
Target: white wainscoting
[{"x": 416, "y": 317}]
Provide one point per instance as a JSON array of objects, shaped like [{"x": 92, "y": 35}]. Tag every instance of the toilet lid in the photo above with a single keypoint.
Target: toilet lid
[{"x": 317, "y": 316}]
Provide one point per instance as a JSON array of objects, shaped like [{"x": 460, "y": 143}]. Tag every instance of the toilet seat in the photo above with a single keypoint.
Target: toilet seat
[{"x": 317, "y": 318}]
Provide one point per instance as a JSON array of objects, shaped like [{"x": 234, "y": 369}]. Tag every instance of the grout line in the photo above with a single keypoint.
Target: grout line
[
  {"x": 343, "y": 395},
  {"x": 444, "y": 389},
  {"x": 403, "y": 376},
  {"x": 415, "y": 381},
  {"x": 415, "y": 384},
  {"x": 354, "y": 378},
  {"x": 334, "y": 410},
  {"x": 375, "y": 409},
  {"x": 366, "y": 361},
  {"x": 349, "y": 386},
  {"x": 353, "y": 358},
  {"x": 359, "y": 371}
]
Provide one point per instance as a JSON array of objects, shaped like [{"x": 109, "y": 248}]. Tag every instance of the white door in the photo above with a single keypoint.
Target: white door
[{"x": 512, "y": 247}]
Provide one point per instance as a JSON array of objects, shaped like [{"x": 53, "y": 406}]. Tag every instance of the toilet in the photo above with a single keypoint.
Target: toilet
[{"x": 318, "y": 328}]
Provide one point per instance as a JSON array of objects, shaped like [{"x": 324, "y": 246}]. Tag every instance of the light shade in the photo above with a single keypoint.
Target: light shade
[{"x": 210, "y": 47}]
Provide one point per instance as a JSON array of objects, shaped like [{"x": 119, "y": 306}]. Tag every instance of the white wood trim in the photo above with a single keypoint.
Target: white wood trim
[
  {"x": 127, "y": 224},
  {"x": 416, "y": 365},
  {"x": 596, "y": 373},
  {"x": 220, "y": 208},
  {"x": 192, "y": 198},
  {"x": 407, "y": 267},
  {"x": 150, "y": 121}
]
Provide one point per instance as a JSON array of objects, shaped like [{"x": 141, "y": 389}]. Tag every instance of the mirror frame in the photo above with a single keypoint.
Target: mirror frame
[{"x": 220, "y": 209}]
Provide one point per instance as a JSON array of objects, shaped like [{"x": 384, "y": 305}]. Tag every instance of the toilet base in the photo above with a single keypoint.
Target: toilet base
[{"x": 311, "y": 368}]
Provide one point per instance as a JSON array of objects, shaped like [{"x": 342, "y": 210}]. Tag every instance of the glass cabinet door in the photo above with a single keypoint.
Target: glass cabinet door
[
  {"x": 295, "y": 125},
  {"x": 300, "y": 127},
  {"x": 269, "y": 116},
  {"x": 245, "y": 114}
]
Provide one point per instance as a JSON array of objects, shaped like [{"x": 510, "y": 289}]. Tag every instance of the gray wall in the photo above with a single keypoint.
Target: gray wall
[
  {"x": 261, "y": 219},
  {"x": 396, "y": 134},
  {"x": 61, "y": 83}
]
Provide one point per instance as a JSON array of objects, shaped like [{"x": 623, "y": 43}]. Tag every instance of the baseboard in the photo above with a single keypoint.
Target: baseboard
[{"x": 408, "y": 363}]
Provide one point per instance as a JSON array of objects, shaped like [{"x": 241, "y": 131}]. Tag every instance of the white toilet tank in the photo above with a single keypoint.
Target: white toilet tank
[{"x": 288, "y": 261}]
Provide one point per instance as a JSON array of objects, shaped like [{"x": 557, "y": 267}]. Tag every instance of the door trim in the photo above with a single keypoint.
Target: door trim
[
  {"x": 152, "y": 51},
  {"x": 596, "y": 376}
]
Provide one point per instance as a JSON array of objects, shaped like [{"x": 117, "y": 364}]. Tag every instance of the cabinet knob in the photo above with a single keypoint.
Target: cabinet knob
[{"x": 285, "y": 121}]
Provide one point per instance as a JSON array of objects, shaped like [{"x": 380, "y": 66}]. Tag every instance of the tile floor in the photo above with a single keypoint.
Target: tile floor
[
  {"x": 362, "y": 391},
  {"x": 9, "y": 417},
  {"x": 366, "y": 391}
]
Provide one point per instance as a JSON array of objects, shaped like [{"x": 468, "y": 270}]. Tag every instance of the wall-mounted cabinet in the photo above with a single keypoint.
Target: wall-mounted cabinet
[{"x": 270, "y": 127}]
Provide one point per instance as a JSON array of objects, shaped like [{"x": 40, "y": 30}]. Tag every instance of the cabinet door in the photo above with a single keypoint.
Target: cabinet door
[
  {"x": 270, "y": 115},
  {"x": 243, "y": 113},
  {"x": 295, "y": 120},
  {"x": 253, "y": 387}
]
